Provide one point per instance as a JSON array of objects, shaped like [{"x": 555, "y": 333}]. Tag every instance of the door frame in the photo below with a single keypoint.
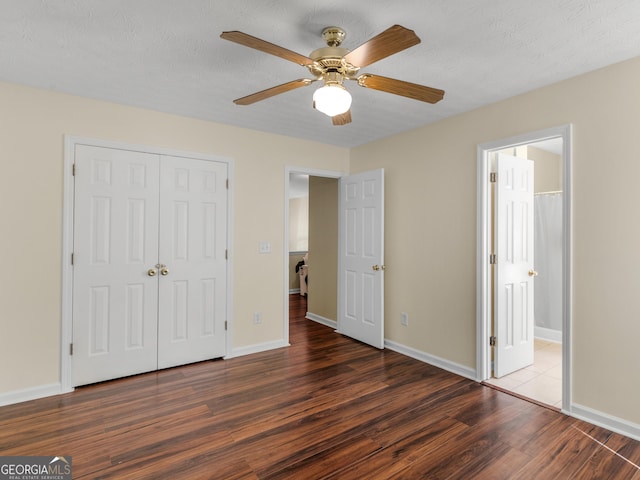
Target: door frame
[
  {"x": 66, "y": 323},
  {"x": 288, "y": 170},
  {"x": 483, "y": 245}
]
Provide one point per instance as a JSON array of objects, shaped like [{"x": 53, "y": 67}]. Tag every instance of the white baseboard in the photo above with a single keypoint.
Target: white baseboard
[
  {"x": 548, "y": 334},
  {"x": 33, "y": 393},
  {"x": 432, "y": 360},
  {"x": 618, "y": 425},
  {"x": 257, "y": 348},
  {"x": 324, "y": 321},
  {"x": 294, "y": 291},
  {"x": 615, "y": 424}
]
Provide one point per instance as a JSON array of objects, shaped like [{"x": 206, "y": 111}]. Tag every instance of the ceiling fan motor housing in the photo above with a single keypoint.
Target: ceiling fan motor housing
[{"x": 331, "y": 59}]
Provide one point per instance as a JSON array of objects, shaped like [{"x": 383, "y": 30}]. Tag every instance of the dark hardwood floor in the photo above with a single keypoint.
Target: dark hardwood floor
[{"x": 326, "y": 407}]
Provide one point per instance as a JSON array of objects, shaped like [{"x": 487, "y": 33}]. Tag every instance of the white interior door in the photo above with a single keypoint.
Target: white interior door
[
  {"x": 115, "y": 307},
  {"x": 361, "y": 257},
  {"x": 150, "y": 240},
  {"x": 514, "y": 325},
  {"x": 193, "y": 219}
]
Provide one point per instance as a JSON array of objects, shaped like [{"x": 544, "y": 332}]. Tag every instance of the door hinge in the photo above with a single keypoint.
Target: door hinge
[
  {"x": 73, "y": 169},
  {"x": 225, "y": 325},
  {"x": 493, "y": 259},
  {"x": 72, "y": 258},
  {"x": 227, "y": 183},
  {"x": 226, "y": 254},
  {"x": 493, "y": 177},
  {"x": 71, "y": 349},
  {"x": 492, "y": 341}
]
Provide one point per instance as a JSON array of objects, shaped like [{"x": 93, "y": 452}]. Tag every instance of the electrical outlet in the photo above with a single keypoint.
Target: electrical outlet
[
  {"x": 404, "y": 319},
  {"x": 257, "y": 318}
]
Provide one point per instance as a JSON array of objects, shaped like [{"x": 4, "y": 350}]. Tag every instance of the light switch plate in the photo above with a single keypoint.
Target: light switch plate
[{"x": 264, "y": 246}]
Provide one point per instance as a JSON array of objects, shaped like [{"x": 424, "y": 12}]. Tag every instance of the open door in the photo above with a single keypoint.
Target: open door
[
  {"x": 361, "y": 257},
  {"x": 514, "y": 321}
]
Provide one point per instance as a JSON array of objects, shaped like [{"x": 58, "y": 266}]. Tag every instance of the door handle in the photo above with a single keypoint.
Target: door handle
[
  {"x": 533, "y": 273},
  {"x": 152, "y": 272},
  {"x": 379, "y": 267}
]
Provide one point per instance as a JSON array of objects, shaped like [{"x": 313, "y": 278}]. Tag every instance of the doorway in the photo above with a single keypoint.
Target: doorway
[
  {"x": 289, "y": 269},
  {"x": 547, "y": 347},
  {"x": 354, "y": 212}
]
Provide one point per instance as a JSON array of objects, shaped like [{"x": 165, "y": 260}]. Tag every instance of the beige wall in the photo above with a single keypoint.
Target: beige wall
[
  {"x": 32, "y": 127},
  {"x": 547, "y": 171},
  {"x": 430, "y": 237},
  {"x": 299, "y": 224},
  {"x": 323, "y": 247}
]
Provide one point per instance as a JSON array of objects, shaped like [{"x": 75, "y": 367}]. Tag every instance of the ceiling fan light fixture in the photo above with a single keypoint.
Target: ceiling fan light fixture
[
  {"x": 333, "y": 64},
  {"x": 332, "y": 99}
]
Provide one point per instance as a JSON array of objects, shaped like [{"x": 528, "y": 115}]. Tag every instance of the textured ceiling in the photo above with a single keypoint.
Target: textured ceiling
[{"x": 167, "y": 55}]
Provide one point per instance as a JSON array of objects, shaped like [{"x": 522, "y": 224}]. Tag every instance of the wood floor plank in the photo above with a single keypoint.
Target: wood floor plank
[
  {"x": 458, "y": 460},
  {"x": 327, "y": 407},
  {"x": 400, "y": 455},
  {"x": 502, "y": 466},
  {"x": 328, "y": 462},
  {"x": 616, "y": 454}
]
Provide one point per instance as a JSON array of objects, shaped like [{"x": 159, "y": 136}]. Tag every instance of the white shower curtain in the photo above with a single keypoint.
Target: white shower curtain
[{"x": 548, "y": 261}]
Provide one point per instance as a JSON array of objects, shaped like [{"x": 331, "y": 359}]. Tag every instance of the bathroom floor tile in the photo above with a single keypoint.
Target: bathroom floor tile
[{"x": 541, "y": 381}]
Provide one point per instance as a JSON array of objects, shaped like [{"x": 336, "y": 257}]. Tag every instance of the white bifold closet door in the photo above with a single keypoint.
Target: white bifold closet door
[{"x": 149, "y": 286}]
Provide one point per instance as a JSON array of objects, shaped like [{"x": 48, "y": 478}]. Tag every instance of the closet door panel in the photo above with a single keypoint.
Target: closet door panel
[
  {"x": 192, "y": 301},
  {"x": 115, "y": 244}
]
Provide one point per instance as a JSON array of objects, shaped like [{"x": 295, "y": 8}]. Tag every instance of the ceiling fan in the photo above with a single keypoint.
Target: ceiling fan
[{"x": 334, "y": 64}]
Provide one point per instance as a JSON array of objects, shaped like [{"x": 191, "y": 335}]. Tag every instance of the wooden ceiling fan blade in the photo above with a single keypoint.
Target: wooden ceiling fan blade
[
  {"x": 270, "y": 92},
  {"x": 342, "y": 119},
  {"x": 393, "y": 40},
  {"x": 264, "y": 46},
  {"x": 400, "y": 87}
]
